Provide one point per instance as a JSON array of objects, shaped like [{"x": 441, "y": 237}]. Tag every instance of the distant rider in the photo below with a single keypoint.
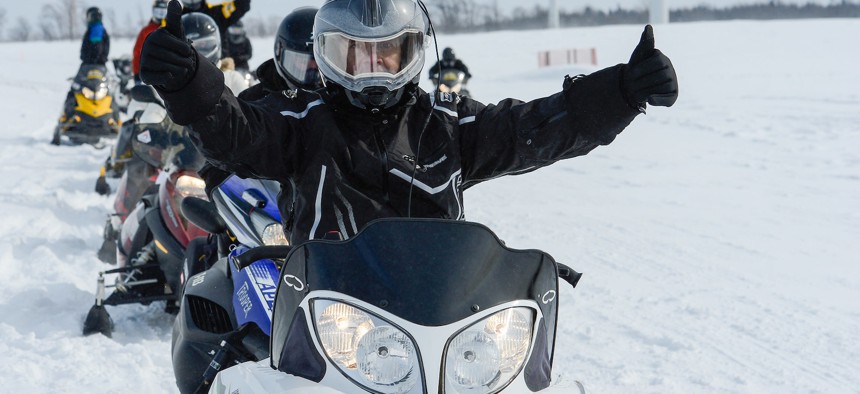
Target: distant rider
[
  {"x": 449, "y": 61},
  {"x": 159, "y": 11}
]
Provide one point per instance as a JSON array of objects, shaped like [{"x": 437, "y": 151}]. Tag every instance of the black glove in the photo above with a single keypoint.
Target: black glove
[
  {"x": 649, "y": 75},
  {"x": 167, "y": 60}
]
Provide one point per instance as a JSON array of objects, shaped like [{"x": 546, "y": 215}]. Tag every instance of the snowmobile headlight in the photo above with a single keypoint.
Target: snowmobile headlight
[
  {"x": 187, "y": 185},
  {"x": 98, "y": 94},
  {"x": 88, "y": 93},
  {"x": 101, "y": 92},
  {"x": 485, "y": 357},
  {"x": 273, "y": 234},
  {"x": 366, "y": 348}
]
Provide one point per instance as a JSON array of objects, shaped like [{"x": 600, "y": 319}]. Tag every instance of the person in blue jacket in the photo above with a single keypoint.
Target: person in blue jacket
[{"x": 96, "y": 42}]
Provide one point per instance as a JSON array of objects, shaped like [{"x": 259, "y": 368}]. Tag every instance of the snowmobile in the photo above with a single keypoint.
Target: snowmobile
[
  {"x": 405, "y": 306},
  {"x": 152, "y": 240},
  {"x": 225, "y": 313},
  {"x": 92, "y": 112},
  {"x": 120, "y": 89},
  {"x": 452, "y": 80},
  {"x": 137, "y": 176}
]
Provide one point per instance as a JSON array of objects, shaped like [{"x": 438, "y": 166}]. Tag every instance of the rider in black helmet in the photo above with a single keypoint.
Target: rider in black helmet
[
  {"x": 372, "y": 144},
  {"x": 238, "y": 46},
  {"x": 293, "y": 66},
  {"x": 449, "y": 60},
  {"x": 224, "y": 13}
]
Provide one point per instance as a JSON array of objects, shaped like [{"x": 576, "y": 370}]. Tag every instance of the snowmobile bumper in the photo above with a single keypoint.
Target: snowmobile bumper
[{"x": 259, "y": 377}]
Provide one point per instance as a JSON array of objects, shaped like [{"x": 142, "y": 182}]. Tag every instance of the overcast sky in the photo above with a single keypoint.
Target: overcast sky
[{"x": 30, "y": 9}]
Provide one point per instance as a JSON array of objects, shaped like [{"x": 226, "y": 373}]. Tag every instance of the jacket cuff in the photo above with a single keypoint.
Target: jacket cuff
[
  {"x": 598, "y": 104},
  {"x": 199, "y": 97}
]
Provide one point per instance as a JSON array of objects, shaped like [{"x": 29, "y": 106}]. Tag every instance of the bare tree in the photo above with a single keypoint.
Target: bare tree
[
  {"x": 66, "y": 16},
  {"x": 21, "y": 31}
]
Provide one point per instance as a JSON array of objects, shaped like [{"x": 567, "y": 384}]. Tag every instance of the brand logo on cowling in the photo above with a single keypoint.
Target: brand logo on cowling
[
  {"x": 244, "y": 299},
  {"x": 144, "y": 137},
  {"x": 294, "y": 282}
]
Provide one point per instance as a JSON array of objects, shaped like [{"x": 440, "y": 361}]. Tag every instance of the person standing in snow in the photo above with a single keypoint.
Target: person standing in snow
[
  {"x": 372, "y": 144},
  {"x": 96, "y": 42}
]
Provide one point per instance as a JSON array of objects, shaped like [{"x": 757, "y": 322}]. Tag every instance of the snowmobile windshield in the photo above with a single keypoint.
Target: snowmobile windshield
[
  {"x": 430, "y": 272},
  {"x": 301, "y": 67},
  {"x": 357, "y": 63},
  {"x": 166, "y": 143}
]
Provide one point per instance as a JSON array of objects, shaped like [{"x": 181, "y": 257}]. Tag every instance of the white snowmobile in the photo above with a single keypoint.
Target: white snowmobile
[{"x": 409, "y": 306}]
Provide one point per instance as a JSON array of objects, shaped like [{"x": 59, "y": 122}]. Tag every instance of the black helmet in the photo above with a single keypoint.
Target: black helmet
[
  {"x": 236, "y": 33},
  {"x": 159, "y": 10},
  {"x": 374, "y": 49},
  {"x": 94, "y": 14},
  {"x": 202, "y": 30},
  {"x": 294, "y": 57},
  {"x": 448, "y": 55},
  {"x": 192, "y": 5}
]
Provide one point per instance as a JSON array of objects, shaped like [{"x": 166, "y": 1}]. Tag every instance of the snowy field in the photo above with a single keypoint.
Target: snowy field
[{"x": 720, "y": 238}]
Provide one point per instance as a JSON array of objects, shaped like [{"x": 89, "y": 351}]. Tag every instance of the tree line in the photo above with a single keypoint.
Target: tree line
[{"x": 64, "y": 19}]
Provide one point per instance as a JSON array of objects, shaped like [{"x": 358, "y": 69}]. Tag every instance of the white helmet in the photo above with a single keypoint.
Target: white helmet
[{"x": 374, "y": 49}]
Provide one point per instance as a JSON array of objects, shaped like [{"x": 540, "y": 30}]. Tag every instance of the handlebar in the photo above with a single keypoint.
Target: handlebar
[{"x": 259, "y": 253}]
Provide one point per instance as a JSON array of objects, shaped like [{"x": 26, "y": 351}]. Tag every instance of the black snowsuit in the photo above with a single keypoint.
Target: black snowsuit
[
  {"x": 351, "y": 167},
  {"x": 241, "y": 51},
  {"x": 95, "y": 51}
]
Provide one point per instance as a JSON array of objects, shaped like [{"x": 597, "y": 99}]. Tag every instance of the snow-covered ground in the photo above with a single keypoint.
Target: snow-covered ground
[{"x": 720, "y": 238}]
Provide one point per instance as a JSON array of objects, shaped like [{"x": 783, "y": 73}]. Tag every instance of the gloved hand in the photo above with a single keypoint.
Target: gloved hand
[
  {"x": 649, "y": 75},
  {"x": 167, "y": 60}
]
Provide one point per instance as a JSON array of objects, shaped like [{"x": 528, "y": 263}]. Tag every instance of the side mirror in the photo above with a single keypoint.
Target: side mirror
[
  {"x": 145, "y": 94},
  {"x": 203, "y": 214}
]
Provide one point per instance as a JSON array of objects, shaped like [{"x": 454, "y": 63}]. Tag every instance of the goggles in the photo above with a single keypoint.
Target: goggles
[
  {"x": 159, "y": 13},
  {"x": 300, "y": 66}
]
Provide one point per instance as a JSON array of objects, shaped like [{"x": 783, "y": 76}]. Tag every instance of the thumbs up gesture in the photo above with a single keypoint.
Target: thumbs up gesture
[
  {"x": 649, "y": 75},
  {"x": 167, "y": 60}
]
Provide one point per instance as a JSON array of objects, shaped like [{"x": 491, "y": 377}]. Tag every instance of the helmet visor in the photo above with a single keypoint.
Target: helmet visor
[
  {"x": 300, "y": 66},
  {"x": 358, "y": 58},
  {"x": 207, "y": 47}
]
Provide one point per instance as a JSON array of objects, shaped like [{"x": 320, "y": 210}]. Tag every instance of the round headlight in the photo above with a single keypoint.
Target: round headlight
[
  {"x": 487, "y": 356},
  {"x": 472, "y": 362},
  {"x": 387, "y": 359},
  {"x": 88, "y": 93},
  {"x": 340, "y": 327}
]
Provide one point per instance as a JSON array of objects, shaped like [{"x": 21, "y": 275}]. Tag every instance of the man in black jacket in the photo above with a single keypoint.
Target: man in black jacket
[{"x": 373, "y": 144}]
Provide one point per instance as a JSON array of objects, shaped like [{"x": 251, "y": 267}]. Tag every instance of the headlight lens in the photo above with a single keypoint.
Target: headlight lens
[
  {"x": 98, "y": 94},
  {"x": 187, "y": 185},
  {"x": 101, "y": 92},
  {"x": 485, "y": 357},
  {"x": 367, "y": 348},
  {"x": 273, "y": 234},
  {"x": 88, "y": 93}
]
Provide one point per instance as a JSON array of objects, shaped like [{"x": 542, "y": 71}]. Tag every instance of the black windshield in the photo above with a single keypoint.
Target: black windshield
[{"x": 428, "y": 271}]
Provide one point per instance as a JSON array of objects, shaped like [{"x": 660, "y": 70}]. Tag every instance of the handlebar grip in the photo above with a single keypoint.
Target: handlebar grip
[
  {"x": 259, "y": 253},
  {"x": 568, "y": 274}
]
